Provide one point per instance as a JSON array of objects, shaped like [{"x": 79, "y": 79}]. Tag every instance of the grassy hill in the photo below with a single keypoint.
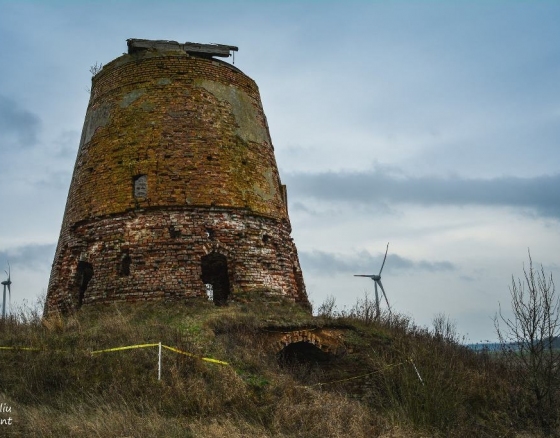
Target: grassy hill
[{"x": 395, "y": 379}]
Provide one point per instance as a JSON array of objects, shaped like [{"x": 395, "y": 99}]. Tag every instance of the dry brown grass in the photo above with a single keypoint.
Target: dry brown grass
[{"x": 64, "y": 391}]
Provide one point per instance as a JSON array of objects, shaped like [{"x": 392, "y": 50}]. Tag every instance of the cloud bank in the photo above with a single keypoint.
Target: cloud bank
[
  {"x": 18, "y": 127},
  {"x": 327, "y": 263},
  {"x": 539, "y": 193},
  {"x": 32, "y": 256}
]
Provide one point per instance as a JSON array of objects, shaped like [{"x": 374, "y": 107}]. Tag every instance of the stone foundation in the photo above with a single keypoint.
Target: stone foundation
[{"x": 157, "y": 254}]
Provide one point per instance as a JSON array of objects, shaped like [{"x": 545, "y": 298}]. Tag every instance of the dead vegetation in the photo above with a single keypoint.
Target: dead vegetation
[{"x": 372, "y": 391}]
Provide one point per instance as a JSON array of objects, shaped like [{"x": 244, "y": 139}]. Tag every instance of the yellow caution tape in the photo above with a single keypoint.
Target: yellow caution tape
[
  {"x": 179, "y": 351},
  {"x": 130, "y": 347},
  {"x": 355, "y": 377},
  {"x": 341, "y": 380},
  {"x": 206, "y": 359}
]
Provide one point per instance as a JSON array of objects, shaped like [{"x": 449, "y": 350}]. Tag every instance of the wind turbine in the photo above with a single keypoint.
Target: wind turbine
[
  {"x": 377, "y": 281},
  {"x": 5, "y": 283}
]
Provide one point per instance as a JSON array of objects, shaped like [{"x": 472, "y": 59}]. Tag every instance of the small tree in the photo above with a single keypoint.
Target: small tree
[
  {"x": 528, "y": 339},
  {"x": 95, "y": 68}
]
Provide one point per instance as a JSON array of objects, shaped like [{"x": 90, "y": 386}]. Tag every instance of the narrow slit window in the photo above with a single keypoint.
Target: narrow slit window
[{"x": 125, "y": 265}]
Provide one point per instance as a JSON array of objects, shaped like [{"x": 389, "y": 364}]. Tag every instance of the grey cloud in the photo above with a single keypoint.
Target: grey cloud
[
  {"x": 32, "y": 256},
  {"x": 316, "y": 210},
  {"x": 302, "y": 208},
  {"x": 67, "y": 143},
  {"x": 368, "y": 187},
  {"x": 363, "y": 262},
  {"x": 59, "y": 180},
  {"x": 18, "y": 127}
]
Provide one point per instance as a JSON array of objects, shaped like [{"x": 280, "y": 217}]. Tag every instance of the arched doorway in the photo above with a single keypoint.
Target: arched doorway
[
  {"x": 304, "y": 361},
  {"x": 302, "y": 353},
  {"x": 215, "y": 273}
]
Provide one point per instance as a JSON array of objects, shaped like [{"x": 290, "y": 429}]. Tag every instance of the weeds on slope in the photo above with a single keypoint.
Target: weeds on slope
[{"x": 373, "y": 390}]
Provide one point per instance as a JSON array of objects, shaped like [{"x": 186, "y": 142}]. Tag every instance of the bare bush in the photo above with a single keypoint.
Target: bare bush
[
  {"x": 328, "y": 308},
  {"x": 445, "y": 329},
  {"x": 528, "y": 338},
  {"x": 365, "y": 309},
  {"x": 95, "y": 68}
]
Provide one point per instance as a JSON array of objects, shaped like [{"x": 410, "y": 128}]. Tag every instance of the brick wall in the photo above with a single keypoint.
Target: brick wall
[{"x": 175, "y": 162}]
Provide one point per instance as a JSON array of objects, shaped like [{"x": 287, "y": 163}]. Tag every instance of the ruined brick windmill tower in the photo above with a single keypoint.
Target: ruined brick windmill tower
[{"x": 175, "y": 190}]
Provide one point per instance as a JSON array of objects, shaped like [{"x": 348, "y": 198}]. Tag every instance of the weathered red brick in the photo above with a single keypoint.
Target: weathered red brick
[{"x": 175, "y": 162}]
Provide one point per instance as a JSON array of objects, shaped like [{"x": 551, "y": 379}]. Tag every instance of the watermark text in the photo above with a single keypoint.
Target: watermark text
[{"x": 5, "y": 411}]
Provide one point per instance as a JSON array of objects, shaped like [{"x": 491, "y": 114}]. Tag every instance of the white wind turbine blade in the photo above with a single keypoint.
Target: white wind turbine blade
[
  {"x": 384, "y": 294},
  {"x": 385, "y": 258}
]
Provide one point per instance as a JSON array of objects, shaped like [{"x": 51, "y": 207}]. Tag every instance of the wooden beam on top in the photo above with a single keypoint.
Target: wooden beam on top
[{"x": 221, "y": 50}]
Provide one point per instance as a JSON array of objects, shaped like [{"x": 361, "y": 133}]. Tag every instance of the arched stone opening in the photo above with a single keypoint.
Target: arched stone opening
[
  {"x": 84, "y": 274},
  {"x": 215, "y": 273},
  {"x": 302, "y": 352}
]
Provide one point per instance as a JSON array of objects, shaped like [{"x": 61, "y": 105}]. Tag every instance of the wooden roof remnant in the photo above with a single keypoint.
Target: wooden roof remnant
[{"x": 205, "y": 50}]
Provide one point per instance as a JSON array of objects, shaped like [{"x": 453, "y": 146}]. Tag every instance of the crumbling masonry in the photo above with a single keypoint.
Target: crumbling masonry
[{"x": 175, "y": 191}]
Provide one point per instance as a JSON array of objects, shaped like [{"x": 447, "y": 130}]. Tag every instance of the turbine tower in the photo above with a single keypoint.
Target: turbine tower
[
  {"x": 6, "y": 283},
  {"x": 377, "y": 281}
]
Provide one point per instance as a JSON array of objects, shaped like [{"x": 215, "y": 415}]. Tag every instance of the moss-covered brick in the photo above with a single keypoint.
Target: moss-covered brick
[{"x": 175, "y": 162}]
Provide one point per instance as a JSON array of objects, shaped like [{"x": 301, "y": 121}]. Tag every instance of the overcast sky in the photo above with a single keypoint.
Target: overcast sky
[{"x": 431, "y": 125}]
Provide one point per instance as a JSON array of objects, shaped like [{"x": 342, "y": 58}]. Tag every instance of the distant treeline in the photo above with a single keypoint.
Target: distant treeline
[{"x": 493, "y": 346}]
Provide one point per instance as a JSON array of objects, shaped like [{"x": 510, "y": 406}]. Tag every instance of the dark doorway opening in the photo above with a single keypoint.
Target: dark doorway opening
[
  {"x": 83, "y": 277},
  {"x": 215, "y": 273},
  {"x": 305, "y": 362}
]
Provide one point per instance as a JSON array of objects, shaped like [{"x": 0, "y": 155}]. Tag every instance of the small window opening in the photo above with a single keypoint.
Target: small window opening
[
  {"x": 141, "y": 186},
  {"x": 265, "y": 238},
  {"x": 215, "y": 277},
  {"x": 210, "y": 233},
  {"x": 209, "y": 157},
  {"x": 174, "y": 233},
  {"x": 83, "y": 276}
]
